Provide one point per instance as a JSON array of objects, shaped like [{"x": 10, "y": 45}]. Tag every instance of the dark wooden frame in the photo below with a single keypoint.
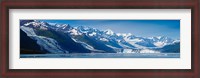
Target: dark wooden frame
[{"x": 100, "y": 4}]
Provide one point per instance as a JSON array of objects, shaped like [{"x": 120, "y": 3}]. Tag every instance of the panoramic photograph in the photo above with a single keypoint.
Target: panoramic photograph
[{"x": 99, "y": 38}]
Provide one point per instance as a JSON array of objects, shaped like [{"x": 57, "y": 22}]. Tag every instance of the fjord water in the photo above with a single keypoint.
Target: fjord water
[{"x": 103, "y": 55}]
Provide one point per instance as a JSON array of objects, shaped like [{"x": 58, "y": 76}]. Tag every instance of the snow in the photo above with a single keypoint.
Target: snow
[
  {"x": 87, "y": 46},
  {"x": 58, "y": 25},
  {"x": 36, "y": 24},
  {"x": 29, "y": 31},
  {"x": 53, "y": 24},
  {"x": 43, "y": 28},
  {"x": 118, "y": 41},
  {"x": 64, "y": 26},
  {"x": 121, "y": 34},
  {"x": 109, "y": 32},
  {"x": 74, "y": 32},
  {"x": 111, "y": 46},
  {"x": 159, "y": 44},
  {"x": 134, "y": 40},
  {"x": 104, "y": 39},
  {"x": 118, "y": 34},
  {"x": 129, "y": 34},
  {"x": 41, "y": 25},
  {"x": 124, "y": 34},
  {"x": 159, "y": 37},
  {"x": 176, "y": 41},
  {"x": 49, "y": 44},
  {"x": 123, "y": 45},
  {"x": 85, "y": 28},
  {"x": 137, "y": 40},
  {"x": 27, "y": 24},
  {"x": 136, "y": 45},
  {"x": 93, "y": 34},
  {"x": 84, "y": 44}
]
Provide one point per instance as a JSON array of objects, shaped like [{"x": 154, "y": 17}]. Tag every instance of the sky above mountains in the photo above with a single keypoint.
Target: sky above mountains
[{"x": 143, "y": 28}]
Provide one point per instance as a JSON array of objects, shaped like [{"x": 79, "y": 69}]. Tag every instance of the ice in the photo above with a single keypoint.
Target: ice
[
  {"x": 49, "y": 44},
  {"x": 29, "y": 31}
]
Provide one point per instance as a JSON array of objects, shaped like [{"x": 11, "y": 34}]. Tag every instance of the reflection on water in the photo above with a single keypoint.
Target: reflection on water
[{"x": 103, "y": 55}]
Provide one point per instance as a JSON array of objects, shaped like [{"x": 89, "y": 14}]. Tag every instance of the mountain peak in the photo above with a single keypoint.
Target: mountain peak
[
  {"x": 35, "y": 24},
  {"x": 74, "y": 31},
  {"x": 162, "y": 37},
  {"x": 84, "y": 27},
  {"x": 124, "y": 34},
  {"x": 65, "y": 26},
  {"x": 159, "y": 37},
  {"x": 109, "y": 32}
]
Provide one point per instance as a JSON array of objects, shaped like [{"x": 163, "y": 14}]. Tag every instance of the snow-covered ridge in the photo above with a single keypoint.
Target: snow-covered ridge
[{"x": 108, "y": 34}]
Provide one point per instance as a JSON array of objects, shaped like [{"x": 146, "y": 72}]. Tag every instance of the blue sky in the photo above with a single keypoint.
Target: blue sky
[{"x": 142, "y": 28}]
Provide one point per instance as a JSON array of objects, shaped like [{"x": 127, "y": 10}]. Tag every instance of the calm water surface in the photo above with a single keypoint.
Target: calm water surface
[{"x": 103, "y": 55}]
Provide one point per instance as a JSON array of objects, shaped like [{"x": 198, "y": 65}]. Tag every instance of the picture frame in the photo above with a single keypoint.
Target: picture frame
[{"x": 114, "y": 73}]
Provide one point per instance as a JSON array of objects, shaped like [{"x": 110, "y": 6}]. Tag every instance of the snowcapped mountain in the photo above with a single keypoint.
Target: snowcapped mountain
[
  {"x": 63, "y": 38},
  {"x": 109, "y": 32},
  {"x": 161, "y": 41}
]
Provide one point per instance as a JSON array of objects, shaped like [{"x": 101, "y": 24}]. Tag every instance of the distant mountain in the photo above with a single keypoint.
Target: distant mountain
[{"x": 63, "y": 38}]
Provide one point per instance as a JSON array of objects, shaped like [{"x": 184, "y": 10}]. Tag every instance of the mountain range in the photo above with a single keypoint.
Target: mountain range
[{"x": 45, "y": 37}]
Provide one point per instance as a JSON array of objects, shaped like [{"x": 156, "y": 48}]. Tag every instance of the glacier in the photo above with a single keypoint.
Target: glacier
[{"x": 48, "y": 44}]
